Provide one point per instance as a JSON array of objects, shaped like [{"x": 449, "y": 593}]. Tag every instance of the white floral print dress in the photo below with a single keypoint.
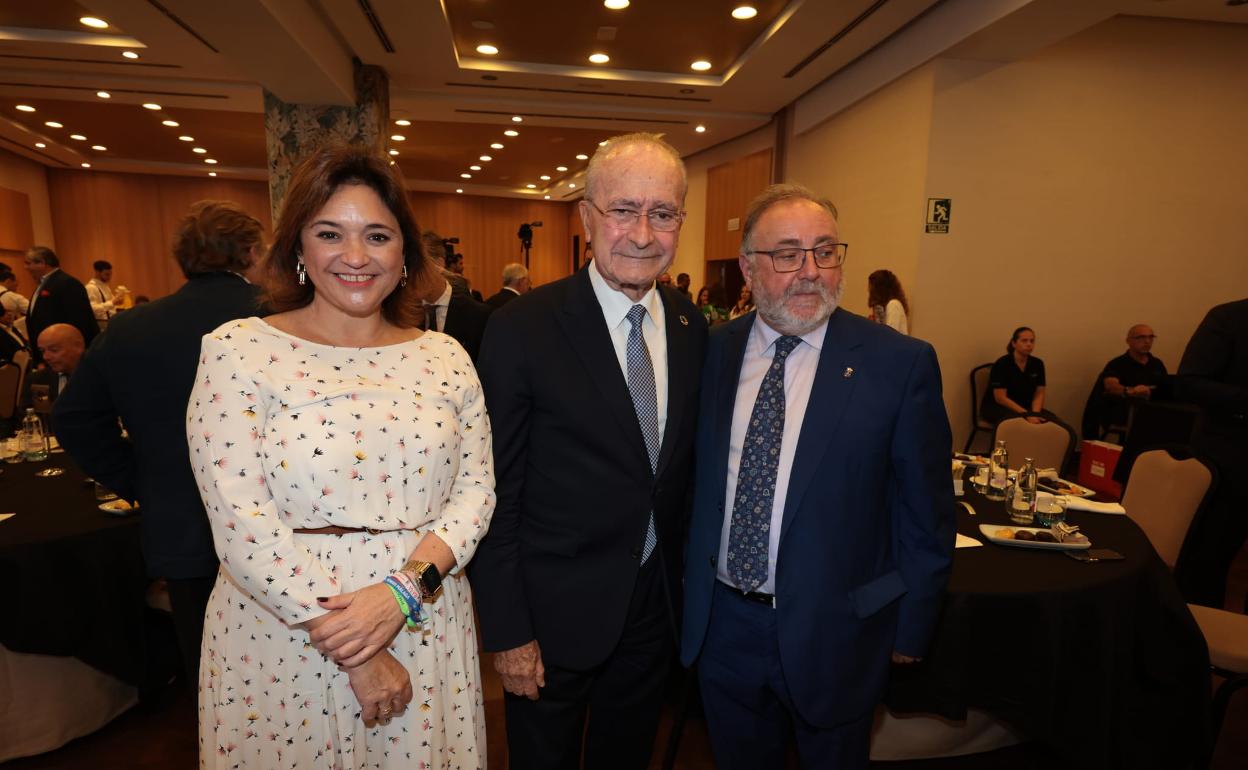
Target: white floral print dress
[{"x": 284, "y": 434}]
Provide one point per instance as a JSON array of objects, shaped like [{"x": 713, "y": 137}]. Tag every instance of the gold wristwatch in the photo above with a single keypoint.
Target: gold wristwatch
[{"x": 425, "y": 575}]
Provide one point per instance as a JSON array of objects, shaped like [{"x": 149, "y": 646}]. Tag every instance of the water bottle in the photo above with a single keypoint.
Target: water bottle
[
  {"x": 998, "y": 473},
  {"x": 34, "y": 447},
  {"x": 1022, "y": 504}
]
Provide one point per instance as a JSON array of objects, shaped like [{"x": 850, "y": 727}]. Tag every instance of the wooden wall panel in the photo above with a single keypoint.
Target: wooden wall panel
[
  {"x": 130, "y": 220},
  {"x": 17, "y": 232},
  {"x": 487, "y": 230},
  {"x": 729, "y": 189}
]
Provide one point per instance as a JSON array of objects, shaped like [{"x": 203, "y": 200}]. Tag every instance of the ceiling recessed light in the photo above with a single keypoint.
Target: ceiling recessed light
[
  {"x": 511, "y": 132},
  {"x": 99, "y": 147},
  {"x": 496, "y": 146},
  {"x": 170, "y": 123},
  {"x": 78, "y": 137},
  {"x": 701, "y": 65},
  {"x": 185, "y": 138},
  {"x": 544, "y": 177},
  {"x": 582, "y": 156},
  {"x": 517, "y": 119},
  {"x": 86, "y": 165},
  {"x": 394, "y": 152},
  {"x": 40, "y": 145},
  {"x": 25, "y": 108},
  {"x": 398, "y": 138},
  {"x": 93, "y": 22},
  {"x": 474, "y": 168},
  {"x": 465, "y": 176},
  {"x": 199, "y": 150},
  {"x": 615, "y": 5},
  {"x": 210, "y": 161},
  {"x": 151, "y": 106},
  {"x": 486, "y": 49},
  {"x": 52, "y": 124},
  {"x": 531, "y": 186},
  {"x": 459, "y": 190},
  {"x": 700, "y": 129},
  {"x": 599, "y": 58},
  {"x": 130, "y": 54},
  {"x": 561, "y": 168},
  {"x": 104, "y": 94},
  {"x": 546, "y": 197},
  {"x": 212, "y": 173},
  {"x": 744, "y": 12},
  {"x": 486, "y": 158},
  {"x": 572, "y": 185},
  {"x": 402, "y": 122}
]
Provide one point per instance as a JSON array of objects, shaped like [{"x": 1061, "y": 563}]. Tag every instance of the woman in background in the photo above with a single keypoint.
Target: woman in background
[
  {"x": 711, "y": 303},
  {"x": 745, "y": 303},
  {"x": 888, "y": 301},
  {"x": 1016, "y": 383}
]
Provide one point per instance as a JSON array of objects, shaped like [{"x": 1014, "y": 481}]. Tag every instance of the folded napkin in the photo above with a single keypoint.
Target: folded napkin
[
  {"x": 966, "y": 542},
  {"x": 1083, "y": 504}
]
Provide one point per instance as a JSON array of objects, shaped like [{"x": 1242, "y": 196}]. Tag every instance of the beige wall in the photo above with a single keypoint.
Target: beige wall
[
  {"x": 29, "y": 177},
  {"x": 1097, "y": 184},
  {"x": 871, "y": 161}
]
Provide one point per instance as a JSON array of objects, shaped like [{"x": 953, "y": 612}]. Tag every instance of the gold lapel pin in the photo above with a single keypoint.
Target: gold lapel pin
[
  {"x": 684, "y": 321},
  {"x": 849, "y": 372}
]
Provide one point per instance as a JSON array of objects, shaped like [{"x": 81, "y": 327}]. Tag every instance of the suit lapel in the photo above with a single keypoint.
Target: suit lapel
[
  {"x": 587, "y": 333},
  {"x": 679, "y": 374},
  {"x": 829, "y": 396},
  {"x": 726, "y": 381}
]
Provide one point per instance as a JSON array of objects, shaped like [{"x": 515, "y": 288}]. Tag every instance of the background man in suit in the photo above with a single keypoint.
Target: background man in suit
[
  {"x": 459, "y": 316},
  {"x": 591, "y": 384},
  {"x": 515, "y": 282},
  {"x": 59, "y": 298},
  {"x": 1214, "y": 374},
  {"x": 141, "y": 371},
  {"x": 822, "y": 529}
]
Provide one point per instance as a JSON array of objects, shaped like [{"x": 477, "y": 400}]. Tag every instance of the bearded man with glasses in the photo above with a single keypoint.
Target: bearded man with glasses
[
  {"x": 822, "y": 532},
  {"x": 591, "y": 384}
]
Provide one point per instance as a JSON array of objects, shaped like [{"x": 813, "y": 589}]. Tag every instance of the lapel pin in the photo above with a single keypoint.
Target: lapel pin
[
  {"x": 849, "y": 372},
  {"x": 684, "y": 321}
]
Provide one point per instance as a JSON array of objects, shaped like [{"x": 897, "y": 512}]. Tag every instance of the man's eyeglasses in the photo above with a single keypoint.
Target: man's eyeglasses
[
  {"x": 791, "y": 259},
  {"x": 661, "y": 220}
]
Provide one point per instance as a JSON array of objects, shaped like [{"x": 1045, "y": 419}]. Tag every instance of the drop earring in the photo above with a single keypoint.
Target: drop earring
[
  {"x": 302, "y": 271},
  {"x": 403, "y": 277}
]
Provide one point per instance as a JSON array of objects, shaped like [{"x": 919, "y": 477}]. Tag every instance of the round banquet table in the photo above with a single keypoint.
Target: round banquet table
[
  {"x": 1101, "y": 661},
  {"x": 72, "y": 576}
]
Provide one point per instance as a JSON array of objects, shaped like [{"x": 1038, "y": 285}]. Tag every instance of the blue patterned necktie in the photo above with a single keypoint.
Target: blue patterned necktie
[
  {"x": 646, "y": 403},
  {"x": 750, "y": 533}
]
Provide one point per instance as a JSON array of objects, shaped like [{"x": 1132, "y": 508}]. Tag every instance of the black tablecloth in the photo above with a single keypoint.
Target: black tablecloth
[
  {"x": 71, "y": 576},
  {"x": 1101, "y": 661}
]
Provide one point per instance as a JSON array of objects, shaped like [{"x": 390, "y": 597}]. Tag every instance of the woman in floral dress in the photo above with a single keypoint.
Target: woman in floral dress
[{"x": 336, "y": 444}]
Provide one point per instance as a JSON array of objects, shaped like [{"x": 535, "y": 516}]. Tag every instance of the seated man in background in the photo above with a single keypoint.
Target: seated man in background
[
  {"x": 61, "y": 346},
  {"x": 1136, "y": 373},
  {"x": 515, "y": 282}
]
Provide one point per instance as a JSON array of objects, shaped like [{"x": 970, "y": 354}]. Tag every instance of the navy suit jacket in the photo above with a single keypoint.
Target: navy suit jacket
[{"x": 867, "y": 536}]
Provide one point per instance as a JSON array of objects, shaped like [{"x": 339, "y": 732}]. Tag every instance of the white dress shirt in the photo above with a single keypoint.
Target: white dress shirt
[
  {"x": 100, "y": 295},
  {"x": 439, "y": 306},
  {"x": 615, "y": 306},
  {"x": 799, "y": 376},
  {"x": 13, "y": 302}
]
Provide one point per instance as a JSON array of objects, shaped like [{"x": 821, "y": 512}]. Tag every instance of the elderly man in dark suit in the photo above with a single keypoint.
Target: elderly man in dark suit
[
  {"x": 141, "y": 370},
  {"x": 822, "y": 531},
  {"x": 591, "y": 384},
  {"x": 515, "y": 283},
  {"x": 59, "y": 298}
]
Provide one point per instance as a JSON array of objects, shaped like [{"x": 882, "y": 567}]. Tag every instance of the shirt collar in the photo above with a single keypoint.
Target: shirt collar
[
  {"x": 763, "y": 336},
  {"x": 616, "y": 304},
  {"x": 444, "y": 299},
  {"x": 513, "y": 291}
]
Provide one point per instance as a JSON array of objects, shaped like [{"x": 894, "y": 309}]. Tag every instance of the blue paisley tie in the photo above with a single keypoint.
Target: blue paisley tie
[
  {"x": 645, "y": 403},
  {"x": 750, "y": 532}
]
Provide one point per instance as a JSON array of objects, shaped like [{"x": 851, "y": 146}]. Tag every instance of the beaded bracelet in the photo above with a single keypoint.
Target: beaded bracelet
[{"x": 407, "y": 603}]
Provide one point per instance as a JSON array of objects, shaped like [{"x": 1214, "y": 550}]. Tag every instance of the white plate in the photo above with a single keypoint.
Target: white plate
[
  {"x": 1077, "y": 490},
  {"x": 989, "y": 531},
  {"x": 115, "y": 507}
]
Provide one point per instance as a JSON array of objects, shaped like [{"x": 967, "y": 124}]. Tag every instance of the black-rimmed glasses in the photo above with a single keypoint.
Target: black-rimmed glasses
[
  {"x": 790, "y": 259},
  {"x": 661, "y": 220}
]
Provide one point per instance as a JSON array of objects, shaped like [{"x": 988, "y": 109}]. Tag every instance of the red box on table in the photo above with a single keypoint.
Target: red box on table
[{"x": 1097, "y": 461}]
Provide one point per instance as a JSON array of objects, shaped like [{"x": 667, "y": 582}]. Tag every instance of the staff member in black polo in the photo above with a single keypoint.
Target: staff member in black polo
[{"x": 1016, "y": 382}]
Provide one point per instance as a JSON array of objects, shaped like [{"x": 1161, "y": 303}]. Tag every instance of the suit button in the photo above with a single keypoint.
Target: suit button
[{"x": 636, "y": 554}]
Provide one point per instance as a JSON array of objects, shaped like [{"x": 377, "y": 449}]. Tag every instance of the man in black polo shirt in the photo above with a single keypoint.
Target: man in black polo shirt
[{"x": 1136, "y": 373}]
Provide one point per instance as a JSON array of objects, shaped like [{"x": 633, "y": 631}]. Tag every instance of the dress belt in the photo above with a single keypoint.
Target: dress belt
[
  {"x": 754, "y": 596},
  {"x": 335, "y": 530}
]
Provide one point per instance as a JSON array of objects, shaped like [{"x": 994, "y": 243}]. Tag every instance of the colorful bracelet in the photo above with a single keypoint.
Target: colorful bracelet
[
  {"x": 407, "y": 582},
  {"x": 402, "y": 603}
]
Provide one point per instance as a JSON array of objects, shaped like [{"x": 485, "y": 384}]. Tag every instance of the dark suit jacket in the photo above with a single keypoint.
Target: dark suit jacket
[
  {"x": 61, "y": 300},
  {"x": 574, "y": 484},
  {"x": 502, "y": 298},
  {"x": 10, "y": 343},
  {"x": 867, "y": 536},
  {"x": 142, "y": 370},
  {"x": 465, "y": 321}
]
